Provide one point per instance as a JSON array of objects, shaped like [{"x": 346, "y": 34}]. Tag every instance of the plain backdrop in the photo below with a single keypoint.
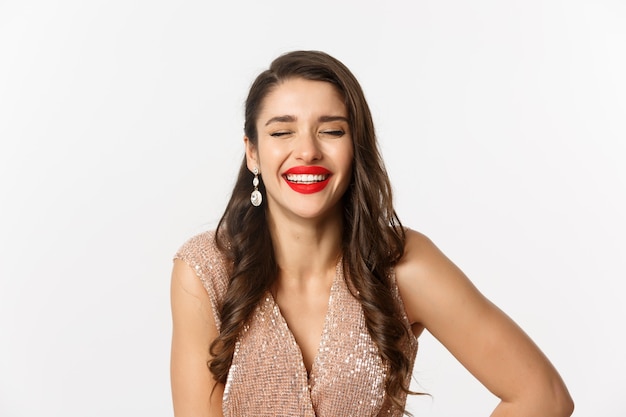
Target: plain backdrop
[{"x": 502, "y": 124}]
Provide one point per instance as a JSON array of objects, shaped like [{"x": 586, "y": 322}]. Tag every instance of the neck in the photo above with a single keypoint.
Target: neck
[{"x": 304, "y": 248}]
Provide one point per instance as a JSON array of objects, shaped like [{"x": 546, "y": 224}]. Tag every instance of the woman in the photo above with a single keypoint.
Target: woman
[{"x": 309, "y": 297}]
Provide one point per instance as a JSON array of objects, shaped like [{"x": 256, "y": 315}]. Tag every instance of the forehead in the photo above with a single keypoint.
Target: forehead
[{"x": 301, "y": 98}]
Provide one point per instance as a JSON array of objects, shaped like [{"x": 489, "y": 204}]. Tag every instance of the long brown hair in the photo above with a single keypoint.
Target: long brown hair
[{"x": 373, "y": 237}]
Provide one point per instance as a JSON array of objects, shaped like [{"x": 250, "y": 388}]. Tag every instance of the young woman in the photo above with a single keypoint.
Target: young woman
[{"x": 308, "y": 298}]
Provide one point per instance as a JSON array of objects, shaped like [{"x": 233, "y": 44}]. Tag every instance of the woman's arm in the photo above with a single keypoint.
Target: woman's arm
[
  {"x": 438, "y": 296},
  {"x": 193, "y": 331}
]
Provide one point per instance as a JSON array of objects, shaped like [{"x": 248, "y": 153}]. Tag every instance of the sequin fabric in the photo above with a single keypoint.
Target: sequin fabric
[{"x": 268, "y": 377}]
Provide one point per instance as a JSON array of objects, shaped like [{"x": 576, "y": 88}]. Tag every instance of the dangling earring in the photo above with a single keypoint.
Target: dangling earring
[{"x": 256, "y": 198}]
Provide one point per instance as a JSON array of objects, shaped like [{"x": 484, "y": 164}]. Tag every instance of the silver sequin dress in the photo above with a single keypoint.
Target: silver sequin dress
[{"x": 268, "y": 377}]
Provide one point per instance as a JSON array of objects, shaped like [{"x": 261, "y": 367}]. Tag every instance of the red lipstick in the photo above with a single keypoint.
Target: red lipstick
[{"x": 307, "y": 179}]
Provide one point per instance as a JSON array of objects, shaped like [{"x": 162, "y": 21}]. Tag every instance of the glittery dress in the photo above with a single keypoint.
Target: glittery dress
[{"x": 268, "y": 377}]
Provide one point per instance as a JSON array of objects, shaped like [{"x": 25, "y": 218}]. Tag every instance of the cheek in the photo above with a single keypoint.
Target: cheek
[
  {"x": 346, "y": 156},
  {"x": 268, "y": 155}
]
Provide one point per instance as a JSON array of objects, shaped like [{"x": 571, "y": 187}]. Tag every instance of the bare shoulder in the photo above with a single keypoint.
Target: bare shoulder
[
  {"x": 417, "y": 248},
  {"x": 428, "y": 280},
  {"x": 418, "y": 252},
  {"x": 420, "y": 255}
]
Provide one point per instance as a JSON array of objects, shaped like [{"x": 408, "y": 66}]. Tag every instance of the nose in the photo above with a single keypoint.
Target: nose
[{"x": 307, "y": 148}]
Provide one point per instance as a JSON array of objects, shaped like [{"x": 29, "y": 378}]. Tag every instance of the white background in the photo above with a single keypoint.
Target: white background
[{"x": 502, "y": 124}]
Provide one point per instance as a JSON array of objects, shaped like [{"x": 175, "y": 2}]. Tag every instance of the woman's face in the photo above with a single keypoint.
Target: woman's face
[{"x": 304, "y": 150}]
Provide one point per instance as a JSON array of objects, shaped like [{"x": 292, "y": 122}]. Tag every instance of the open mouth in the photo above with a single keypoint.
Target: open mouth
[{"x": 306, "y": 178}]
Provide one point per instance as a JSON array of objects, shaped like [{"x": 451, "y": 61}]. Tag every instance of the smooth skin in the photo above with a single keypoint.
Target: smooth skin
[
  {"x": 440, "y": 298},
  {"x": 193, "y": 329},
  {"x": 306, "y": 235}
]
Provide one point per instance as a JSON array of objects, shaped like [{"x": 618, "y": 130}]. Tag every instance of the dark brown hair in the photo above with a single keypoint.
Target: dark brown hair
[{"x": 373, "y": 237}]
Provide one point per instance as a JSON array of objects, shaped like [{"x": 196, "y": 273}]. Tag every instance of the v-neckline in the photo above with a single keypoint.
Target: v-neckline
[{"x": 325, "y": 327}]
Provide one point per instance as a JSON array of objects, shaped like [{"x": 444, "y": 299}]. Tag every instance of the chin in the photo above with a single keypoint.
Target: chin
[{"x": 310, "y": 213}]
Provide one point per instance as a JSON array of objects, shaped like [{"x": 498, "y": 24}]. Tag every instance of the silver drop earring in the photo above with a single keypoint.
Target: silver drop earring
[{"x": 256, "y": 198}]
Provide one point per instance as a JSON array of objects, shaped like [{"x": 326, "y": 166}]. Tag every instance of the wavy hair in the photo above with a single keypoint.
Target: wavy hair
[{"x": 372, "y": 241}]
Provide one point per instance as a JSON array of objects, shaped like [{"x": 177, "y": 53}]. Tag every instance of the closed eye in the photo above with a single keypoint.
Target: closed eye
[
  {"x": 280, "y": 134},
  {"x": 333, "y": 133}
]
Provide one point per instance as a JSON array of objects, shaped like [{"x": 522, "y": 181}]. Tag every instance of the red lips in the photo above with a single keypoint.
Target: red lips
[{"x": 307, "y": 187}]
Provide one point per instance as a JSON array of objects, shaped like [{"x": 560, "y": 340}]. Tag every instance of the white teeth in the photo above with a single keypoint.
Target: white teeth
[{"x": 305, "y": 178}]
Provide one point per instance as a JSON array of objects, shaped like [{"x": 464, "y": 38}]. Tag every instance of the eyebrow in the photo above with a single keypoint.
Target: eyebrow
[
  {"x": 333, "y": 119},
  {"x": 281, "y": 119},
  {"x": 289, "y": 119}
]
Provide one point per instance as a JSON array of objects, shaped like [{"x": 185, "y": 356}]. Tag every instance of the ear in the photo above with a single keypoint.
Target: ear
[{"x": 252, "y": 157}]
